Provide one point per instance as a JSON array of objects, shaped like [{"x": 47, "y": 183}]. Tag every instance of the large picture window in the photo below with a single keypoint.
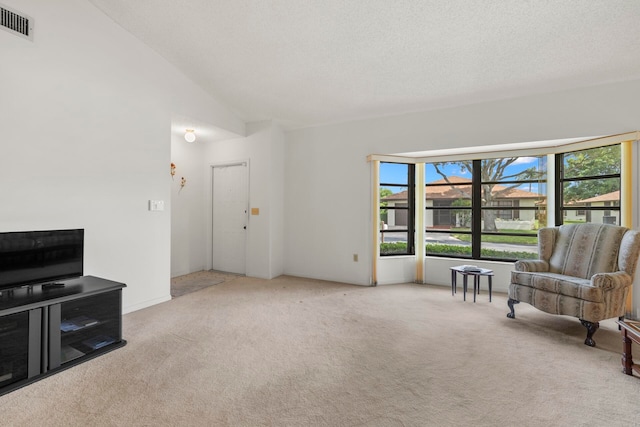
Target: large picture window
[
  {"x": 397, "y": 209},
  {"x": 588, "y": 189},
  {"x": 492, "y": 208},
  {"x": 485, "y": 209}
]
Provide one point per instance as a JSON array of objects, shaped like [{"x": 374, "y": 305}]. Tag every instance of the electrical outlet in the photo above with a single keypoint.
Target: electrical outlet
[{"x": 355, "y": 257}]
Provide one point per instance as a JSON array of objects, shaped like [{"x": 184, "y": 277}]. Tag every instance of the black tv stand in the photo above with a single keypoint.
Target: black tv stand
[
  {"x": 53, "y": 285},
  {"x": 47, "y": 329}
]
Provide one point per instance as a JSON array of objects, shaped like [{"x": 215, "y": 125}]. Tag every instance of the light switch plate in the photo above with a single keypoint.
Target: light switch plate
[{"x": 156, "y": 205}]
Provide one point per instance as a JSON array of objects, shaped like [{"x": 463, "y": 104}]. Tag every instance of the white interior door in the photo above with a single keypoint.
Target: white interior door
[{"x": 229, "y": 207}]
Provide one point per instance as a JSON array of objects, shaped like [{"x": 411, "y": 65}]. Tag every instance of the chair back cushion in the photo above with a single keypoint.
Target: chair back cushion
[
  {"x": 582, "y": 250},
  {"x": 629, "y": 252}
]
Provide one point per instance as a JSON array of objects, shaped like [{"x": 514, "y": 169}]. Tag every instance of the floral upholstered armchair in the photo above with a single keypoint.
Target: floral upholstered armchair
[{"x": 583, "y": 270}]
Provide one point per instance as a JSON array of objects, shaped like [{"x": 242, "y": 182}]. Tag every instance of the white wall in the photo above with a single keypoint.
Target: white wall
[
  {"x": 85, "y": 133},
  {"x": 263, "y": 149},
  {"x": 328, "y": 181},
  {"x": 188, "y": 207},
  {"x": 276, "y": 206}
]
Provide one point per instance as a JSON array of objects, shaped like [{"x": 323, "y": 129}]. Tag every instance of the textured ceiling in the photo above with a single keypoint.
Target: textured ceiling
[{"x": 312, "y": 62}]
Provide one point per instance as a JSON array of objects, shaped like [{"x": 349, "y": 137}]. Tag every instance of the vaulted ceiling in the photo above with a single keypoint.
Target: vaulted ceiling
[{"x": 312, "y": 62}]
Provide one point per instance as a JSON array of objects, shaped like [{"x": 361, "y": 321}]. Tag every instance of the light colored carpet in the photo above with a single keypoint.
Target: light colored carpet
[
  {"x": 297, "y": 352},
  {"x": 182, "y": 285}
]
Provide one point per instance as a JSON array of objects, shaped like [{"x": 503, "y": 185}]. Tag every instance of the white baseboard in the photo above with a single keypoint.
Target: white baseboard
[{"x": 145, "y": 304}]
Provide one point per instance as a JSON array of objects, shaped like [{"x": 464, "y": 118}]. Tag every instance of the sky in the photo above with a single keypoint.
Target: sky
[{"x": 395, "y": 173}]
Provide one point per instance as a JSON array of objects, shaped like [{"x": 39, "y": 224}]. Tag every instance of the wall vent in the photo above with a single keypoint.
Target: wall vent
[{"x": 16, "y": 23}]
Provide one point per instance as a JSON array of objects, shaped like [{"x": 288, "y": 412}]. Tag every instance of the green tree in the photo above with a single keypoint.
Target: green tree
[
  {"x": 593, "y": 162},
  {"x": 492, "y": 171},
  {"x": 384, "y": 192}
]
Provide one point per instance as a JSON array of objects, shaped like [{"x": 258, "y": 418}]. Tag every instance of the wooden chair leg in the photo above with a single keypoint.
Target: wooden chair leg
[
  {"x": 510, "y": 303},
  {"x": 592, "y": 327}
]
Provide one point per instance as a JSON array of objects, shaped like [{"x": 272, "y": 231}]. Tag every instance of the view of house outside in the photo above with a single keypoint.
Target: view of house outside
[
  {"x": 510, "y": 199},
  {"x": 591, "y": 185},
  {"x": 396, "y": 179}
]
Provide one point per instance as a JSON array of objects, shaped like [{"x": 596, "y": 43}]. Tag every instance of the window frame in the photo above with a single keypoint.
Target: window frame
[
  {"x": 561, "y": 209},
  {"x": 410, "y": 209},
  {"x": 476, "y": 209},
  {"x": 550, "y": 214}
]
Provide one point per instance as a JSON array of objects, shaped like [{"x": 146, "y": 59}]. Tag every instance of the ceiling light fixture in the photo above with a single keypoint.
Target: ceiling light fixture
[{"x": 190, "y": 135}]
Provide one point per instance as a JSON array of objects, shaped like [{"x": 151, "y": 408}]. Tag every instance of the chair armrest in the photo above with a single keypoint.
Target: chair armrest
[
  {"x": 532, "y": 265},
  {"x": 619, "y": 279}
]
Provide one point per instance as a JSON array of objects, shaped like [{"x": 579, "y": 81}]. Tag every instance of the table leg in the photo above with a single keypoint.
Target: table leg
[
  {"x": 453, "y": 282},
  {"x": 627, "y": 360},
  {"x": 490, "y": 284},
  {"x": 476, "y": 286},
  {"x": 464, "y": 286}
]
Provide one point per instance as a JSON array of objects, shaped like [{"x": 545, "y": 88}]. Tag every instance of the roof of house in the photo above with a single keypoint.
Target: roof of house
[
  {"x": 462, "y": 190},
  {"x": 614, "y": 196}
]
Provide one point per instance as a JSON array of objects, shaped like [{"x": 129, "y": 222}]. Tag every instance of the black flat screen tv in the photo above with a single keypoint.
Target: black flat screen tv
[{"x": 36, "y": 257}]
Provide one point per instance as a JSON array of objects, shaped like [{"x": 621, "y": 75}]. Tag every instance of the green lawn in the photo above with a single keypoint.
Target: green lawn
[
  {"x": 456, "y": 250},
  {"x": 516, "y": 240},
  {"x": 465, "y": 251}
]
